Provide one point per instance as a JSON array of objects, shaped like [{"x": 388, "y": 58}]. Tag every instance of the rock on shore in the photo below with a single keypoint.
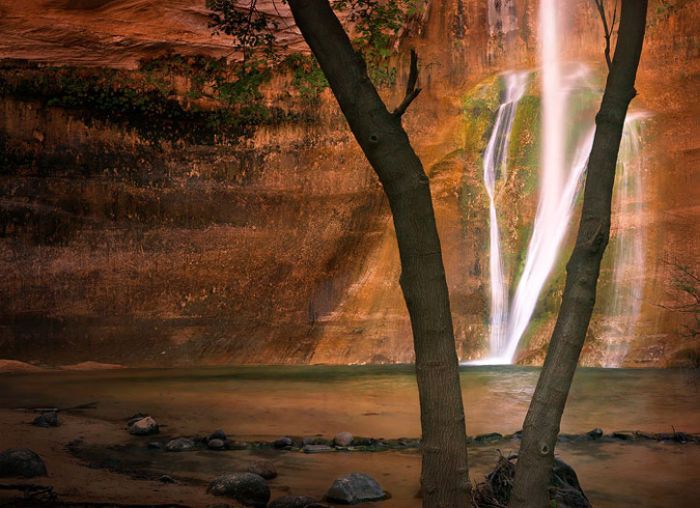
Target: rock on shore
[
  {"x": 21, "y": 462},
  {"x": 247, "y": 488}
]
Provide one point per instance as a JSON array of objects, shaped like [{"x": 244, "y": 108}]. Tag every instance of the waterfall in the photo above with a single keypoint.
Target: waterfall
[
  {"x": 495, "y": 167},
  {"x": 566, "y": 144},
  {"x": 627, "y": 244}
]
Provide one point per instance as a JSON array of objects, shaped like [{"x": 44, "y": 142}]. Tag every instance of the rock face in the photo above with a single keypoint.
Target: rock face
[
  {"x": 247, "y": 488},
  {"x": 114, "y": 236},
  {"x": 21, "y": 462},
  {"x": 144, "y": 427},
  {"x": 355, "y": 488}
]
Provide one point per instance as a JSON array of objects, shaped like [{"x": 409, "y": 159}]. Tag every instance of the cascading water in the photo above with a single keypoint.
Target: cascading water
[
  {"x": 559, "y": 181},
  {"x": 627, "y": 246},
  {"x": 495, "y": 168}
]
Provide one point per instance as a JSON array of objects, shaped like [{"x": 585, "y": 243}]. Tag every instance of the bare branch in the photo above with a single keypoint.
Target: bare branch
[
  {"x": 412, "y": 90},
  {"x": 607, "y": 29}
]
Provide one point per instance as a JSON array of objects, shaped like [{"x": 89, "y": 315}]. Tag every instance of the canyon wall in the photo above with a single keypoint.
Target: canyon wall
[{"x": 147, "y": 239}]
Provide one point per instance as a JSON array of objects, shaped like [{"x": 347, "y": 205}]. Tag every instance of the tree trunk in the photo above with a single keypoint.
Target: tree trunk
[
  {"x": 541, "y": 426},
  {"x": 444, "y": 478}
]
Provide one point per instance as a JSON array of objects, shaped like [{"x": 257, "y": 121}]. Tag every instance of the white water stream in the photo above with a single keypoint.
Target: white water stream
[
  {"x": 495, "y": 167},
  {"x": 559, "y": 182}
]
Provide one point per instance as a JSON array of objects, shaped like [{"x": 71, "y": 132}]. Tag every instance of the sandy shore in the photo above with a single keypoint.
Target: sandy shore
[{"x": 74, "y": 480}]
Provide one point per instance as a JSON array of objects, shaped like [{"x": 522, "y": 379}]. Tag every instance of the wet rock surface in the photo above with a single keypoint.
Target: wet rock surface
[
  {"x": 216, "y": 444},
  {"x": 492, "y": 437},
  {"x": 145, "y": 426},
  {"x": 264, "y": 468},
  {"x": 180, "y": 444},
  {"x": 317, "y": 448},
  {"x": 218, "y": 434},
  {"x": 247, "y": 488},
  {"x": 283, "y": 442},
  {"x": 343, "y": 439},
  {"x": 21, "y": 462},
  {"x": 355, "y": 488},
  {"x": 46, "y": 419}
]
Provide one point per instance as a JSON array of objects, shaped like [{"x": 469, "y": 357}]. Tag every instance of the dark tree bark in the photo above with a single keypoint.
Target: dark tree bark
[
  {"x": 445, "y": 480},
  {"x": 541, "y": 426}
]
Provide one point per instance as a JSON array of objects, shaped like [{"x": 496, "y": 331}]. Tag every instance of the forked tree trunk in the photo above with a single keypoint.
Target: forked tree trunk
[
  {"x": 444, "y": 477},
  {"x": 541, "y": 426}
]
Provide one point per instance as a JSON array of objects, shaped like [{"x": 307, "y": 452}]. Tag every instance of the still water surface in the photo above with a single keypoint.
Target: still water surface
[{"x": 382, "y": 401}]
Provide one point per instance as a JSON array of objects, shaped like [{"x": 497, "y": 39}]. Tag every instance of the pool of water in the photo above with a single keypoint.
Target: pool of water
[
  {"x": 377, "y": 401},
  {"x": 267, "y": 402}
]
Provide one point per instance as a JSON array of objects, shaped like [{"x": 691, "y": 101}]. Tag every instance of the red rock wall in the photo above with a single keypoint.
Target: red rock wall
[{"x": 280, "y": 247}]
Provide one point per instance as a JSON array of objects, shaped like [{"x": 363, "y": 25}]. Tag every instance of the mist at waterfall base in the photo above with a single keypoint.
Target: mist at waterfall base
[{"x": 566, "y": 139}]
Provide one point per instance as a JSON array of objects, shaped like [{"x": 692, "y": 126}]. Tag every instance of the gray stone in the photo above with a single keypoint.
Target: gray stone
[
  {"x": 217, "y": 434},
  {"x": 181, "y": 444},
  {"x": 316, "y": 440},
  {"x": 144, "y": 427},
  {"x": 625, "y": 435},
  {"x": 596, "y": 433},
  {"x": 292, "y": 502},
  {"x": 317, "y": 448},
  {"x": 216, "y": 444},
  {"x": 493, "y": 437},
  {"x": 236, "y": 445},
  {"x": 247, "y": 488},
  {"x": 48, "y": 419},
  {"x": 355, "y": 488},
  {"x": 155, "y": 445},
  {"x": 264, "y": 468},
  {"x": 343, "y": 439},
  {"x": 167, "y": 479},
  {"x": 283, "y": 442},
  {"x": 21, "y": 462}
]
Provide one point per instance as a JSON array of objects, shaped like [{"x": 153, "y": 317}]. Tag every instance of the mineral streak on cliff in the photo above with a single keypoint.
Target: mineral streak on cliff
[{"x": 273, "y": 243}]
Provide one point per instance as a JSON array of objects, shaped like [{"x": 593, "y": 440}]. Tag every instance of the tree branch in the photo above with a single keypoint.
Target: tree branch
[
  {"x": 607, "y": 29},
  {"x": 412, "y": 90}
]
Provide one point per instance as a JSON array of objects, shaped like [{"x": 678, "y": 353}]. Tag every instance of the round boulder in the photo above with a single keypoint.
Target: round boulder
[
  {"x": 216, "y": 444},
  {"x": 343, "y": 439},
  {"x": 264, "y": 468},
  {"x": 47, "y": 419},
  {"x": 218, "y": 434},
  {"x": 247, "y": 488},
  {"x": 355, "y": 488},
  {"x": 596, "y": 433},
  {"x": 292, "y": 502},
  {"x": 283, "y": 442},
  {"x": 181, "y": 444},
  {"x": 144, "y": 427},
  {"x": 21, "y": 462}
]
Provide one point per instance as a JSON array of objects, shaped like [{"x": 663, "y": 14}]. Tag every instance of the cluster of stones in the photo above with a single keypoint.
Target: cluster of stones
[
  {"x": 250, "y": 489},
  {"x": 142, "y": 425}
]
